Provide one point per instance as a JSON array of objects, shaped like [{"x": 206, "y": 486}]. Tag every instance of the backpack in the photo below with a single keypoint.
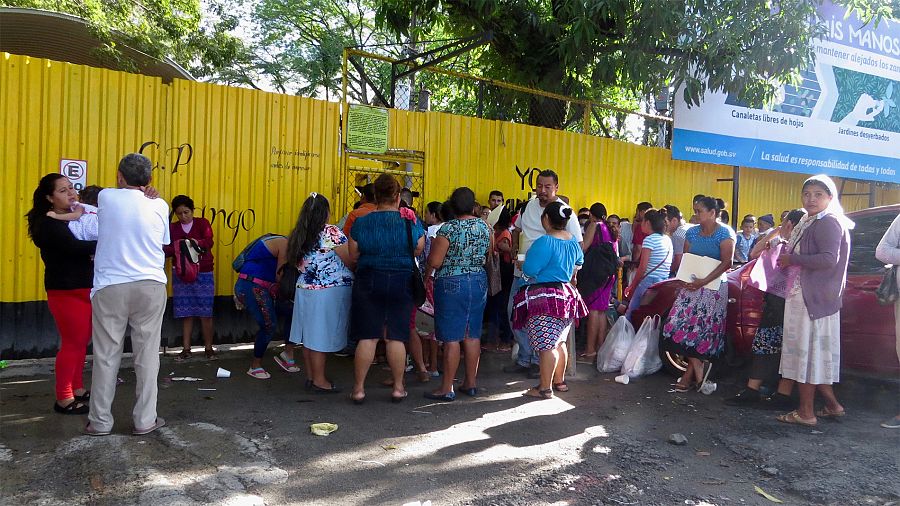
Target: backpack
[
  {"x": 238, "y": 263},
  {"x": 187, "y": 260},
  {"x": 600, "y": 264}
]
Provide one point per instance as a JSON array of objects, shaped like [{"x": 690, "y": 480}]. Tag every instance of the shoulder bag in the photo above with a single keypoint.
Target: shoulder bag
[
  {"x": 887, "y": 292},
  {"x": 416, "y": 283}
]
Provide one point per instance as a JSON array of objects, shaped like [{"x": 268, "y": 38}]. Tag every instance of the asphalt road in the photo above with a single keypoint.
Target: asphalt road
[{"x": 249, "y": 442}]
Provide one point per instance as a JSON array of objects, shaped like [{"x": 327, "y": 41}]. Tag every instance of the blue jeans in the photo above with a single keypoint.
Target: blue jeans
[
  {"x": 459, "y": 306},
  {"x": 638, "y": 293},
  {"x": 259, "y": 303},
  {"x": 527, "y": 356}
]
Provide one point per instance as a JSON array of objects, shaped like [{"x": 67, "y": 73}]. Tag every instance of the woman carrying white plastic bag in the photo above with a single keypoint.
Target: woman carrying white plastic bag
[
  {"x": 643, "y": 357},
  {"x": 615, "y": 348}
]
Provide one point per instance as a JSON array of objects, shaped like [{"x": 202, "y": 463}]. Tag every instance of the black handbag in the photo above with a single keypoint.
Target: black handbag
[
  {"x": 887, "y": 292},
  {"x": 416, "y": 283}
]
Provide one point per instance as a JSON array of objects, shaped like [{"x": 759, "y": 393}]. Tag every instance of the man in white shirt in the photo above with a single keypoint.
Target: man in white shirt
[
  {"x": 529, "y": 229},
  {"x": 129, "y": 292}
]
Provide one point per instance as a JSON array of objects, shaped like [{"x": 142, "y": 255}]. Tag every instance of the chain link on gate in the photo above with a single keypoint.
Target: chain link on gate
[{"x": 406, "y": 166}]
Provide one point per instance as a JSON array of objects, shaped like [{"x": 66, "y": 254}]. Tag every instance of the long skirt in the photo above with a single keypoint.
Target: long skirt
[
  {"x": 193, "y": 299},
  {"x": 696, "y": 323},
  {"x": 811, "y": 349},
  {"x": 321, "y": 318}
]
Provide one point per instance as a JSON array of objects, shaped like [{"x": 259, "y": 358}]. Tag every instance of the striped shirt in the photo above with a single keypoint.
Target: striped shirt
[{"x": 660, "y": 247}]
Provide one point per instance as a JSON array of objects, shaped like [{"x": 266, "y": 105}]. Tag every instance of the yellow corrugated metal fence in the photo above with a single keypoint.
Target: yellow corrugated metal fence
[{"x": 250, "y": 158}]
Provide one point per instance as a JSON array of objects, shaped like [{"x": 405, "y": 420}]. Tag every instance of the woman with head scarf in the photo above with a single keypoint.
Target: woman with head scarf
[{"x": 811, "y": 348}]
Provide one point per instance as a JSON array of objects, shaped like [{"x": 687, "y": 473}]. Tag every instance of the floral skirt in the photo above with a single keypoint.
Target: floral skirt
[
  {"x": 696, "y": 323},
  {"x": 546, "y": 332},
  {"x": 193, "y": 299}
]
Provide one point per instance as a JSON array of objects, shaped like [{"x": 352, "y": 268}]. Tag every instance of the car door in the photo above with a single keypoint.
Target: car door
[{"x": 867, "y": 328}]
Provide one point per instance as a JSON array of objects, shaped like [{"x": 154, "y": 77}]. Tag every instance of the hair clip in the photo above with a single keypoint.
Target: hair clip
[
  {"x": 562, "y": 214},
  {"x": 313, "y": 194}
]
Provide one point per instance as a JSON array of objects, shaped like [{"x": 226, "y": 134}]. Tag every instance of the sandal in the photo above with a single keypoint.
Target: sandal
[
  {"x": 319, "y": 390},
  {"x": 287, "y": 364},
  {"x": 423, "y": 376},
  {"x": 90, "y": 431},
  {"x": 827, "y": 413},
  {"x": 681, "y": 389},
  {"x": 85, "y": 397},
  {"x": 447, "y": 397},
  {"x": 399, "y": 398},
  {"x": 74, "y": 408},
  {"x": 538, "y": 393},
  {"x": 259, "y": 373},
  {"x": 184, "y": 355},
  {"x": 211, "y": 354},
  {"x": 561, "y": 387},
  {"x": 358, "y": 400},
  {"x": 794, "y": 418}
]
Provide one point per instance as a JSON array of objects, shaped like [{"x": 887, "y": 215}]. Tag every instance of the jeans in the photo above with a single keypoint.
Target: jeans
[
  {"x": 526, "y": 356},
  {"x": 638, "y": 293},
  {"x": 259, "y": 303},
  {"x": 496, "y": 317},
  {"x": 459, "y": 306}
]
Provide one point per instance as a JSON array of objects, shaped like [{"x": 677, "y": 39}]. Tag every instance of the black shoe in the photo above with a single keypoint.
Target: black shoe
[
  {"x": 319, "y": 390},
  {"x": 780, "y": 402},
  {"x": 516, "y": 369},
  {"x": 74, "y": 408},
  {"x": 346, "y": 352},
  {"x": 534, "y": 372},
  {"x": 745, "y": 397},
  {"x": 84, "y": 397}
]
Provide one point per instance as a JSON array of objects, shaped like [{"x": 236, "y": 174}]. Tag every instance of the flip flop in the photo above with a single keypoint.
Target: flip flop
[
  {"x": 399, "y": 398},
  {"x": 827, "y": 413},
  {"x": 561, "y": 387},
  {"x": 90, "y": 431},
  {"x": 538, "y": 393},
  {"x": 448, "y": 397},
  {"x": 794, "y": 418},
  {"x": 287, "y": 364},
  {"x": 258, "y": 373},
  {"x": 160, "y": 422},
  {"x": 358, "y": 400}
]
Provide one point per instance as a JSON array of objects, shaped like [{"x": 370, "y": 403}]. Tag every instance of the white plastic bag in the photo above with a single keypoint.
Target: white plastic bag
[
  {"x": 611, "y": 355},
  {"x": 643, "y": 357}
]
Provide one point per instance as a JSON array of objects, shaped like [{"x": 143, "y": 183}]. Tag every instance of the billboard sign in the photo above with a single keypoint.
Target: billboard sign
[{"x": 843, "y": 119}]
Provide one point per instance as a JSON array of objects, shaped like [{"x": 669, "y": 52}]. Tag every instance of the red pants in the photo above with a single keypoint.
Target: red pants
[{"x": 72, "y": 311}]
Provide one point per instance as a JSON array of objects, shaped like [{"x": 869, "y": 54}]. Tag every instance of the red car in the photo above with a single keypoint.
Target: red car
[{"x": 867, "y": 328}]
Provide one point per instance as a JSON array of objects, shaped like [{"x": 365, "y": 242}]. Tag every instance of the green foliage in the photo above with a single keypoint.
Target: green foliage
[
  {"x": 158, "y": 28},
  {"x": 634, "y": 48}
]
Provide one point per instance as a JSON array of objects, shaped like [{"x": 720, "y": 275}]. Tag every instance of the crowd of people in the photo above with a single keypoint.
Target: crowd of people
[{"x": 386, "y": 284}]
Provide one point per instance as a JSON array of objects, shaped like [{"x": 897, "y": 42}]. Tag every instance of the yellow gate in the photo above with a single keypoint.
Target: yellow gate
[{"x": 362, "y": 168}]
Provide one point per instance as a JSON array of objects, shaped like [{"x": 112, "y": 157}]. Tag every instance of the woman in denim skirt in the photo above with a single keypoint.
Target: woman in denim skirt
[
  {"x": 382, "y": 298},
  {"x": 458, "y": 255}
]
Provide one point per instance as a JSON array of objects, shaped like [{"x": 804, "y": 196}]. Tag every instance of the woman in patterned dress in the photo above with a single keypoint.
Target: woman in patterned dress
[
  {"x": 458, "y": 254},
  {"x": 695, "y": 327},
  {"x": 547, "y": 303},
  {"x": 811, "y": 348},
  {"x": 193, "y": 299},
  {"x": 766, "y": 346},
  {"x": 324, "y": 289}
]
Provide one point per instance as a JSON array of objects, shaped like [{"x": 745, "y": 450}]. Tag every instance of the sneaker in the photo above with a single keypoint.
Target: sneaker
[
  {"x": 892, "y": 423},
  {"x": 745, "y": 397},
  {"x": 516, "y": 369}
]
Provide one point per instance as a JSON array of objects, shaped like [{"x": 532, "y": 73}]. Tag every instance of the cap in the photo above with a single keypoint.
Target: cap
[{"x": 768, "y": 218}]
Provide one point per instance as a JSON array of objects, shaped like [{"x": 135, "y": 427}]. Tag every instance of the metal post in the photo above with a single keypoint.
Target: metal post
[
  {"x": 735, "y": 195},
  {"x": 480, "y": 99}
]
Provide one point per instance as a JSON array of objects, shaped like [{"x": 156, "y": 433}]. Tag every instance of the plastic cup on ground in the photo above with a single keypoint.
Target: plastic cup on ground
[
  {"x": 223, "y": 373},
  {"x": 623, "y": 379}
]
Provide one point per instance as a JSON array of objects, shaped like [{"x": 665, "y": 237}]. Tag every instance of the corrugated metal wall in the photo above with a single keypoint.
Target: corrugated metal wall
[
  {"x": 250, "y": 158},
  {"x": 247, "y": 158},
  {"x": 49, "y": 111}
]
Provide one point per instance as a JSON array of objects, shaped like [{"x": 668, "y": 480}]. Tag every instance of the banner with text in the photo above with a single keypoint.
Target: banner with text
[{"x": 841, "y": 120}]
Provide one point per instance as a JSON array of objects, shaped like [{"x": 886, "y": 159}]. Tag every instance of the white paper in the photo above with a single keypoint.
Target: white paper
[{"x": 694, "y": 267}]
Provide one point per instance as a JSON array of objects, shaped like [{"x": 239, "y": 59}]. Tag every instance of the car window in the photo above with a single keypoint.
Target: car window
[{"x": 864, "y": 239}]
